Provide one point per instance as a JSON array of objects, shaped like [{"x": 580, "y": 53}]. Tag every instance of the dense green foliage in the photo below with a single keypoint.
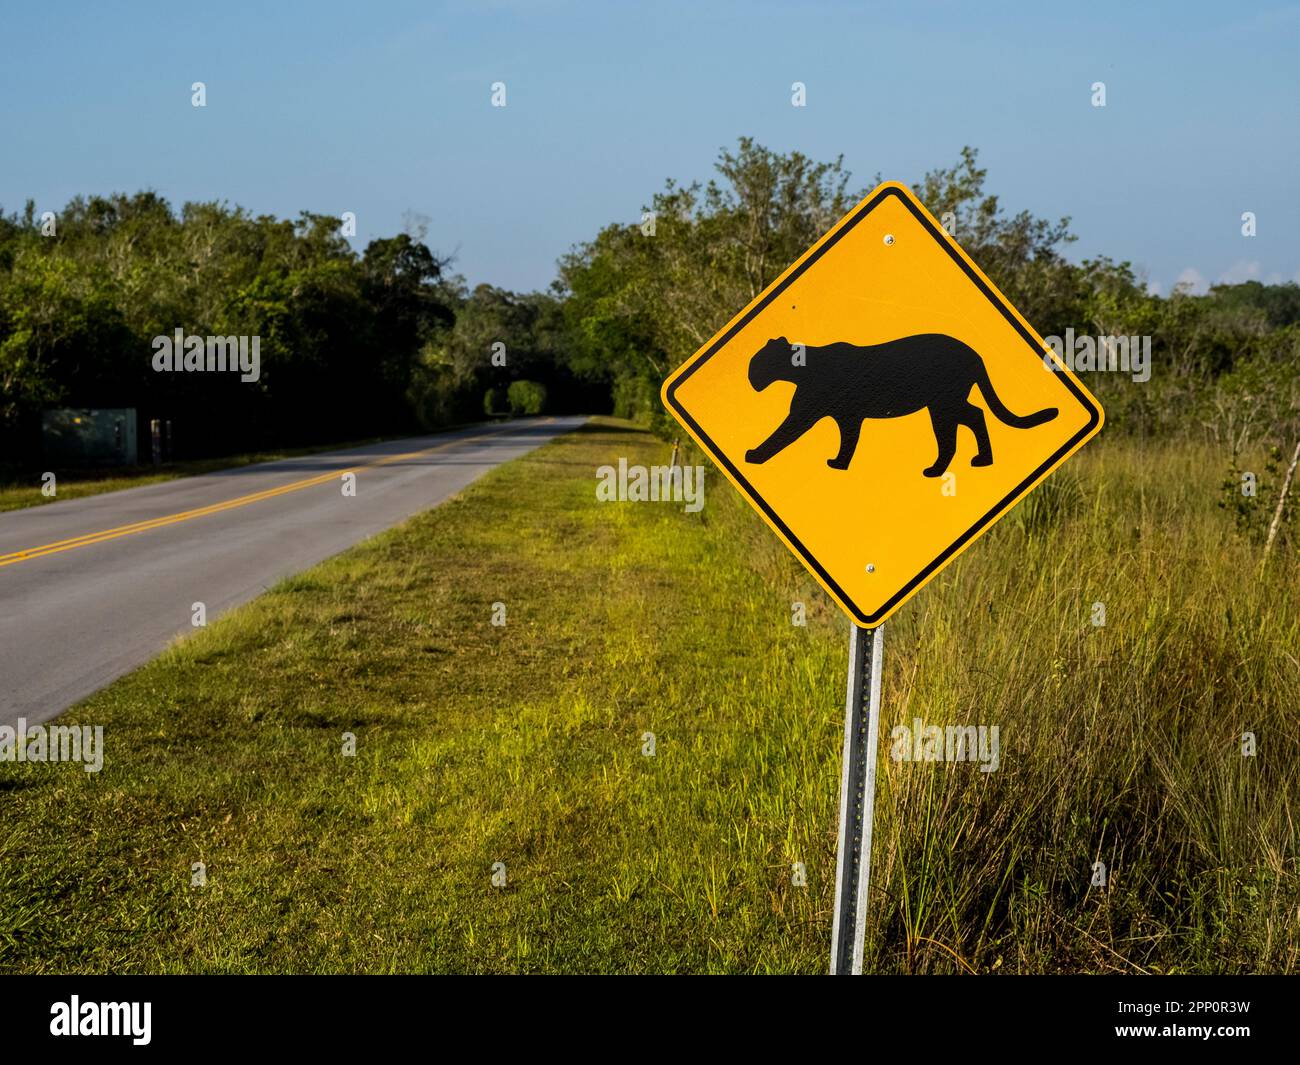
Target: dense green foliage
[
  {"x": 641, "y": 298},
  {"x": 79, "y": 309},
  {"x": 351, "y": 345},
  {"x": 384, "y": 341},
  {"x": 498, "y": 338},
  {"x": 526, "y": 397}
]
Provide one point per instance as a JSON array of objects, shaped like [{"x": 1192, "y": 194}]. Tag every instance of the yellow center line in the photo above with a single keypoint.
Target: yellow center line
[{"x": 87, "y": 539}]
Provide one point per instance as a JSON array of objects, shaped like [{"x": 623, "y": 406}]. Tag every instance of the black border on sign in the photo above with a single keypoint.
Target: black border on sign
[{"x": 871, "y": 620}]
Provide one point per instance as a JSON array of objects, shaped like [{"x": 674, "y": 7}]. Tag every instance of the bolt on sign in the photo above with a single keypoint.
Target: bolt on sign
[{"x": 882, "y": 404}]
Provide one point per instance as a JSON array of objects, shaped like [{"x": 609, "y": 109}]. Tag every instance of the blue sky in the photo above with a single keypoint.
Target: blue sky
[{"x": 384, "y": 108}]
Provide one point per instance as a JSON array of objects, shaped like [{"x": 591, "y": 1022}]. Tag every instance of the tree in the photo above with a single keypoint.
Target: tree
[{"x": 641, "y": 298}]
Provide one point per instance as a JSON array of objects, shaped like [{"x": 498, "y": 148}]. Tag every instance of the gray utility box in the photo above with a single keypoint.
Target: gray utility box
[{"x": 90, "y": 437}]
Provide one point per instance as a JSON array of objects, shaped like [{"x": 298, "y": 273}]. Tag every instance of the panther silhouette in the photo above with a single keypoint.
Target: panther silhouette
[{"x": 851, "y": 383}]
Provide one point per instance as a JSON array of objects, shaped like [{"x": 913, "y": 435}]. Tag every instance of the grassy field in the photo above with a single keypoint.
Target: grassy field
[
  {"x": 19, "y": 492},
  {"x": 523, "y": 744}
]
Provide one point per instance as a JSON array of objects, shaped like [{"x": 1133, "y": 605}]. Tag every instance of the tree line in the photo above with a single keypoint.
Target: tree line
[
  {"x": 1226, "y": 364},
  {"x": 386, "y": 340},
  {"x": 352, "y": 344}
]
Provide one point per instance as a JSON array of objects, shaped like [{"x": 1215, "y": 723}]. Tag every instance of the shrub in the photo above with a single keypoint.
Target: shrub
[
  {"x": 635, "y": 398},
  {"x": 526, "y": 397}
]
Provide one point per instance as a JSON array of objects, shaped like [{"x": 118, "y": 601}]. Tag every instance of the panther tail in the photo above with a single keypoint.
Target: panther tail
[{"x": 1000, "y": 410}]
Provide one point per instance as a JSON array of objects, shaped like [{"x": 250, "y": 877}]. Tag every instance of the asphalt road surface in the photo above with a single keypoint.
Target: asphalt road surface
[{"x": 91, "y": 588}]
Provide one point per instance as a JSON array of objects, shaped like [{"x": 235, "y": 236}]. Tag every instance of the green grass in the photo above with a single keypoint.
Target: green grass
[
  {"x": 19, "y": 491},
  {"x": 523, "y": 744}
]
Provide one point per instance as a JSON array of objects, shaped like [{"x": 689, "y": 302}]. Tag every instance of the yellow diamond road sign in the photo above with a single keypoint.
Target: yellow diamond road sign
[{"x": 881, "y": 404}]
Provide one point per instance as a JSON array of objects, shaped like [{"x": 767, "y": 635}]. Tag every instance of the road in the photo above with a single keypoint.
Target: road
[{"x": 92, "y": 588}]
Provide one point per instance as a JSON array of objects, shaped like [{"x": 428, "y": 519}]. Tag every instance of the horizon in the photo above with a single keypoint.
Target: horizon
[{"x": 393, "y": 110}]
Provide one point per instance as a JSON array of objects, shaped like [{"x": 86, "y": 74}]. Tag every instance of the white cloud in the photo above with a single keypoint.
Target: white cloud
[
  {"x": 1193, "y": 281},
  {"x": 1240, "y": 271}
]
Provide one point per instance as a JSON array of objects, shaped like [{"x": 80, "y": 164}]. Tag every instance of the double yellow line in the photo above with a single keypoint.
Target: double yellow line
[{"x": 87, "y": 539}]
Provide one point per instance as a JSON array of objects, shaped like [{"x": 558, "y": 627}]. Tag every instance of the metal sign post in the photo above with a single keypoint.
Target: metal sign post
[{"x": 857, "y": 798}]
